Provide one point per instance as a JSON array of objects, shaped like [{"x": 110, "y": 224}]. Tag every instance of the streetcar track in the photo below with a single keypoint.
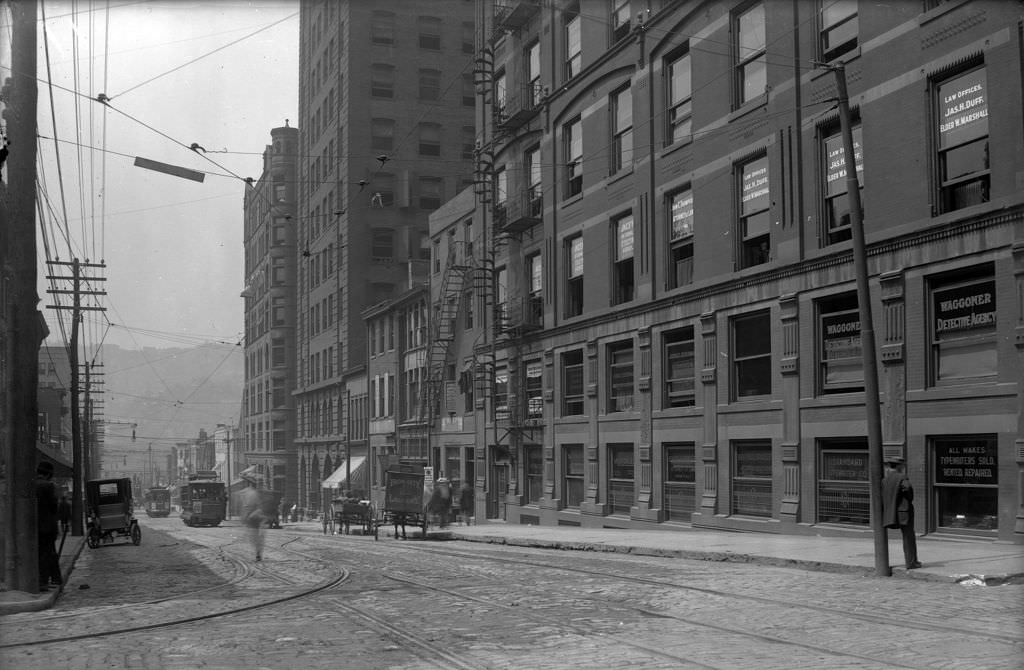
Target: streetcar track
[
  {"x": 698, "y": 623},
  {"x": 248, "y": 570},
  {"x": 867, "y": 618}
]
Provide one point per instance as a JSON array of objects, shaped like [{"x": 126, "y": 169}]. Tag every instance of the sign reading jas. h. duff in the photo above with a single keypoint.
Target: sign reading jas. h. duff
[{"x": 965, "y": 307}]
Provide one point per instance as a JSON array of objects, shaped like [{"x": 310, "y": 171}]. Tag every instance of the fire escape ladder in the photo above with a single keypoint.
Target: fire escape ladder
[{"x": 445, "y": 313}]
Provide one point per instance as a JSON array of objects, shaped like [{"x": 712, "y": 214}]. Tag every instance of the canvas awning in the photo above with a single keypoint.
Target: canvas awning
[{"x": 337, "y": 478}]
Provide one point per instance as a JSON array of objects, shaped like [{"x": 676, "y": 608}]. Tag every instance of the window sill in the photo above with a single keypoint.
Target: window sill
[
  {"x": 618, "y": 176},
  {"x": 941, "y": 10},
  {"x": 675, "y": 146},
  {"x": 748, "y": 107},
  {"x": 963, "y": 391},
  {"x": 571, "y": 200},
  {"x": 754, "y": 404}
]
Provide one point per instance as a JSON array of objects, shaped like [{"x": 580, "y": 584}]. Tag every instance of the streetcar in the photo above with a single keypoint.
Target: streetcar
[
  {"x": 157, "y": 501},
  {"x": 203, "y": 499}
]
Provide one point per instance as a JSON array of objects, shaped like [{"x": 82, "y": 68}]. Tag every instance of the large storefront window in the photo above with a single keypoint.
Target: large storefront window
[
  {"x": 572, "y": 477},
  {"x": 964, "y": 329},
  {"x": 752, "y": 478},
  {"x": 679, "y": 477},
  {"x": 534, "y": 474},
  {"x": 966, "y": 482},
  {"x": 843, "y": 494},
  {"x": 620, "y": 478}
]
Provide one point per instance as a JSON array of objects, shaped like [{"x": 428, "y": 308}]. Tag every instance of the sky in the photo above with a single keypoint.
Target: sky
[{"x": 219, "y": 74}]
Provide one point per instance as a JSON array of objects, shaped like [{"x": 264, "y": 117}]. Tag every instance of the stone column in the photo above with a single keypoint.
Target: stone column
[
  {"x": 709, "y": 450},
  {"x": 789, "y": 364},
  {"x": 645, "y": 465},
  {"x": 893, "y": 382}
]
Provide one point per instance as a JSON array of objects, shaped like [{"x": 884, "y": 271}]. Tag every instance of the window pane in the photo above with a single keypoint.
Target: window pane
[
  {"x": 963, "y": 107},
  {"x": 752, "y": 32},
  {"x": 755, "y": 79},
  {"x": 682, "y": 214},
  {"x": 755, "y": 190},
  {"x": 965, "y": 160}
]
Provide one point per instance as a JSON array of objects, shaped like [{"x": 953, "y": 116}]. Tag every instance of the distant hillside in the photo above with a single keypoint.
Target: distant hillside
[{"x": 169, "y": 393}]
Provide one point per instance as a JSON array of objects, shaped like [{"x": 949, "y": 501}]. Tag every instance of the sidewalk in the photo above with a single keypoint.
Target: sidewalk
[
  {"x": 12, "y": 602},
  {"x": 945, "y": 559}
]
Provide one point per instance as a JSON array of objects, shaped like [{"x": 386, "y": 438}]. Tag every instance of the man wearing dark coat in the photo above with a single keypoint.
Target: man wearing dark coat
[
  {"x": 898, "y": 508},
  {"x": 46, "y": 526}
]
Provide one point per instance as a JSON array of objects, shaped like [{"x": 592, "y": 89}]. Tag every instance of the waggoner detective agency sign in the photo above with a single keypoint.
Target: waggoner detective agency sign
[{"x": 965, "y": 307}]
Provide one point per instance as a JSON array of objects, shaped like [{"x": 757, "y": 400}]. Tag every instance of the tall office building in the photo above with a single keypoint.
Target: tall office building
[
  {"x": 265, "y": 438},
  {"x": 386, "y": 103},
  {"x": 670, "y": 330}
]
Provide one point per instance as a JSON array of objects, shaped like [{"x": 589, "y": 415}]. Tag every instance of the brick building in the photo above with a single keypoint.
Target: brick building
[{"x": 668, "y": 329}]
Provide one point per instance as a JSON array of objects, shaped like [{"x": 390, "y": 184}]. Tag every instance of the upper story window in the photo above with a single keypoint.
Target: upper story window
[
  {"x": 382, "y": 134},
  {"x": 837, "y": 199},
  {"x": 572, "y": 149},
  {"x": 534, "y": 184},
  {"x": 574, "y": 276},
  {"x": 751, "y": 62},
  {"x": 383, "y": 246},
  {"x": 622, "y": 129},
  {"x": 623, "y": 275},
  {"x": 431, "y": 192},
  {"x": 751, "y": 355},
  {"x": 678, "y": 368},
  {"x": 841, "y": 369},
  {"x": 621, "y": 19},
  {"x": 468, "y": 91},
  {"x": 382, "y": 27},
  {"x": 531, "y": 63},
  {"x": 680, "y": 235},
  {"x": 382, "y": 80},
  {"x": 430, "y": 32},
  {"x": 383, "y": 185},
  {"x": 839, "y": 28},
  {"x": 573, "y": 46},
  {"x": 500, "y": 92},
  {"x": 680, "y": 91},
  {"x": 962, "y": 107},
  {"x": 468, "y": 142},
  {"x": 430, "y": 139},
  {"x": 964, "y": 342},
  {"x": 430, "y": 84},
  {"x": 754, "y": 222},
  {"x": 620, "y": 376},
  {"x": 572, "y": 383},
  {"x": 468, "y": 37},
  {"x": 501, "y": 186}
]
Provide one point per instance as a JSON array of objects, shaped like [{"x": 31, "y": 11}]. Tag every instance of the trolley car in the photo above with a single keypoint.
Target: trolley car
[
  {"x": 158, "y": 501},
  {"x": 109, "y": 507},
  {"x": 203, "y": 499}
]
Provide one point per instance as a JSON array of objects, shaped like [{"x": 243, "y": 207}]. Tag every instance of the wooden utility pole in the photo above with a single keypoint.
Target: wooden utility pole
[
  {"x": 76, "y": 307},
  {"x": 872, "y": 401},
  {"x": 23, "y": 324}
]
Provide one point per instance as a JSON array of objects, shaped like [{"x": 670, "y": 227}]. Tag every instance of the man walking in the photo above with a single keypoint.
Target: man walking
[
  {"x": 898, "y": 507},
  {"x": 46, "y": 526},
  {"x": 252, "y": 511}
]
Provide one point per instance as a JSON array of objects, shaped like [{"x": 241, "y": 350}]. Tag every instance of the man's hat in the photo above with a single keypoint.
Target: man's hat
[
  {"x": 44, "y": 468},
  {"x": 249, "y": 474},
  {"x": 895, "y": 460}
]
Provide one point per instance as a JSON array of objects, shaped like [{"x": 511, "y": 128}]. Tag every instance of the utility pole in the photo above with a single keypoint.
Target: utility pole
[
  {"x": 872, "y": 402},
  {"x": 23, "y": 324},
  {"x": 76, "y": 292}
]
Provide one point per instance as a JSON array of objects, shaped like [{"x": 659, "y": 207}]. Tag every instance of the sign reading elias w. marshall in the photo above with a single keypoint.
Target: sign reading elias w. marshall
[{"x": 965, "y": 307}]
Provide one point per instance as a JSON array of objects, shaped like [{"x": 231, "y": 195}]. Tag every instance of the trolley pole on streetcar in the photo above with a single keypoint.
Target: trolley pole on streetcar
[{"x": 872, "y": 400}]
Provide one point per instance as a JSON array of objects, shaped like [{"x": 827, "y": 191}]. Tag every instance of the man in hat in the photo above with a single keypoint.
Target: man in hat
[
  {"x": 898, "y": 507},
  {"x": 252, "y": 511},
  {"x": 46, "y": 526}
]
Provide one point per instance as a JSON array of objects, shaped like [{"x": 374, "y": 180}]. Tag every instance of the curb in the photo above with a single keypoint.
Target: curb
[{"x": 731, "y": 557}]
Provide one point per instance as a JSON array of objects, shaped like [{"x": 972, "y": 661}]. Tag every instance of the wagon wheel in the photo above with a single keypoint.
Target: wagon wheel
[
  {"x": 93, "y": 539},
  {"x": 136, "y": 534}
]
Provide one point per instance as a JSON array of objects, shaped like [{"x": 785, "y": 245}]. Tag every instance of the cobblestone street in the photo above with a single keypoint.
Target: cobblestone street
[{"x": 193, "y": 598}]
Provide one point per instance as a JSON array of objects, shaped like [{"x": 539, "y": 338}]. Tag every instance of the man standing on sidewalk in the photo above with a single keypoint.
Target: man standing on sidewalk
[
  {"x": 898, "y": 507},
  {"x": 46, "y": 526}
]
